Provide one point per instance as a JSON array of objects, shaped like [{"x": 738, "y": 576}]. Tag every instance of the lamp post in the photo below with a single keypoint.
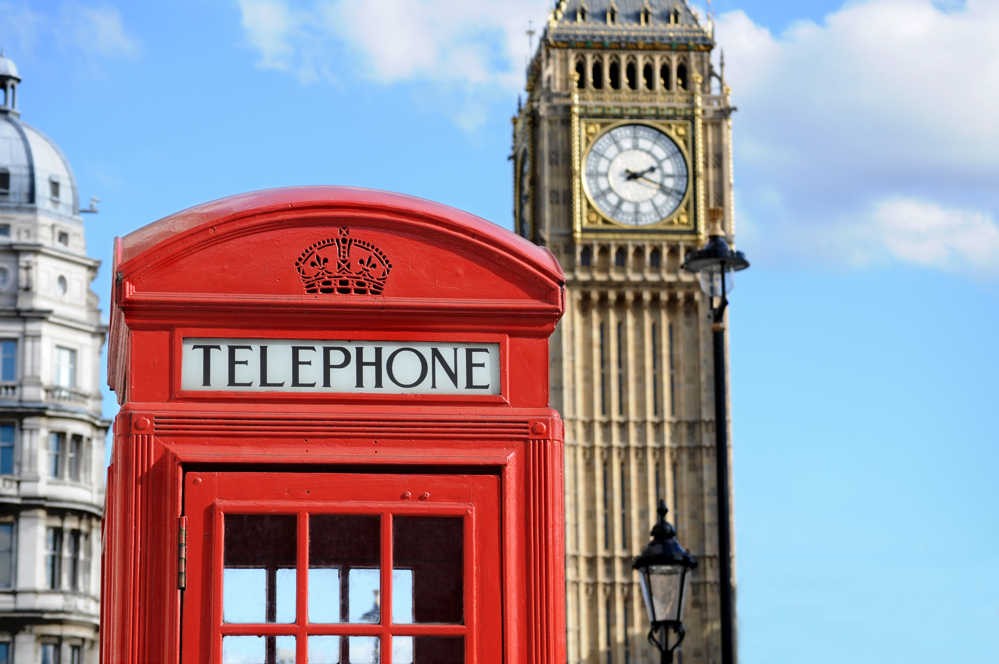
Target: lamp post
[
  {"x": 712, "y": 263},
  {"x": 662, "y": 574}
]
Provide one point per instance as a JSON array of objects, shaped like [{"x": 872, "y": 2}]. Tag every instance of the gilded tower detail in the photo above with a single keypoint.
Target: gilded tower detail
[{"x": 621, "y": 149}]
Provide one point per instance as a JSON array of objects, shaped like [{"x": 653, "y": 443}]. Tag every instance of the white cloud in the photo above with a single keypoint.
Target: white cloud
[
  {"x": 878, "y": 119},
  {"x": 474, "y": 49},
  {"x": 98, "y": 31},
  {"x": 928, "y": 234},
  {"x": 93, "y": 32}
]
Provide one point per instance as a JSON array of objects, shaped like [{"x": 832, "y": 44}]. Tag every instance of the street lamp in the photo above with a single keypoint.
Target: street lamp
[
  {"x": 712, "y": 264},
  {"x": 662, "y": 574}
]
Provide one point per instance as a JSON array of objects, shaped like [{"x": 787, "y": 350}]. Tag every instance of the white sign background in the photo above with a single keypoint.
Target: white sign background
[{"x": 359, "y": 367}]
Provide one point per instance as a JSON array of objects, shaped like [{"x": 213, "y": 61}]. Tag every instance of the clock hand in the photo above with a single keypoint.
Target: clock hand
[{"x": 635, "y": 175}]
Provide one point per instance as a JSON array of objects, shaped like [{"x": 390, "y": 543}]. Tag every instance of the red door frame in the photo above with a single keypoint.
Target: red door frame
[
  {"x": 222, "y": 270},
  {"x": 210, "y": 495}
]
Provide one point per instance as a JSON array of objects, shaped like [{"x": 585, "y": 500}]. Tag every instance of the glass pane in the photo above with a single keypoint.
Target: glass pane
[
  {"x": 430, "y": 548},
  {"x": 258, "y": 650},
  {"x": 344, "y": 576},
  {"x": 324, "y": 596},
  {"x": 437, "y": 650},
  {"x": 402, "y": 596},
  {"x": 364, "y": 591},
  {"x": 258, "y": 582},
  {"x": 324, "y": 650},
  {"x": 363, "y": 650}
]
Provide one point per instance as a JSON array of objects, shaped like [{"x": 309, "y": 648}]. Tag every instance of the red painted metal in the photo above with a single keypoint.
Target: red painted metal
[{"x": 227, "y": 269}]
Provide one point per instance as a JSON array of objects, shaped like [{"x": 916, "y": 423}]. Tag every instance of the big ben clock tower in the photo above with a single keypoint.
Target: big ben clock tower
[{"x": 621, "y": 150}]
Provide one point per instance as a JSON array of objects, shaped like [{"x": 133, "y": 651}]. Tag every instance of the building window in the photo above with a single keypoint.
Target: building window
[
  {"x": 4, "y": 230},
  {"x": 57, "y": 453},
  {"x": 7, "y": 437},
  {"x": 53, "y": 559},
  {"x": 50, "y": 653},
  {"x": 54, "y": 189},
  {"x": 5, "y": 657},
  {"x": 4, "y": 182},
  {"x": 84, "y": 565},
  {"x": 67, "y": 456},
  {"x": 76, "y": 655},
  {"x": 6, "y": 558},
  {"x": 65, "y": 367},
  {"x": 62, "y": 237},
  {"x": 73, "y": 561},
  {"x": 8, "y": 360}
]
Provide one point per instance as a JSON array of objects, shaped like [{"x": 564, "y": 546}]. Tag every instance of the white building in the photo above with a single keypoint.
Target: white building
[{"x": 51, "y": 430}]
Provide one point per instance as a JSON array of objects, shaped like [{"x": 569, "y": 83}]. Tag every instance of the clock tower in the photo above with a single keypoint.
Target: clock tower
[{"x": 622, "y": 165}]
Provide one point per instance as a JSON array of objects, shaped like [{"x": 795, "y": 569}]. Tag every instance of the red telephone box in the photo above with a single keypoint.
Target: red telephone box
[{"x": 334, "y": 442}]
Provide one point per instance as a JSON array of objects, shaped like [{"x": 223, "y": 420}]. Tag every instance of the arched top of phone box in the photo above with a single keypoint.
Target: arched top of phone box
[{"x": 309, "y": 250}]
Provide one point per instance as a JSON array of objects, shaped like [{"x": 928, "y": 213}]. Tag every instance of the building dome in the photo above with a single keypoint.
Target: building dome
[
  {"x": 33, "y": 171},
  {"x": 7, "y": 67}
]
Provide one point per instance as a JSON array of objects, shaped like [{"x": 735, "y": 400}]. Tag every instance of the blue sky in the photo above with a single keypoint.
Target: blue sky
[{"x": 862, "y": 349}]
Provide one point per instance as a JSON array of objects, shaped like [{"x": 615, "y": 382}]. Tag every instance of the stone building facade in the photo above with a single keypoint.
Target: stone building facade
[
  {"x": 51, "y": 430},
  {"x": 620, "y": 150}
]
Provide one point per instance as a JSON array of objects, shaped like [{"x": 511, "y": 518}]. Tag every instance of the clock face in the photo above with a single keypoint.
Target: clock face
[{"x": 635, "y": 175}]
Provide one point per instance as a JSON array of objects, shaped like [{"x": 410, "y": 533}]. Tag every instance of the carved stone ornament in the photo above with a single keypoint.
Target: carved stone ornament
[{"x": 343, "y": 265}]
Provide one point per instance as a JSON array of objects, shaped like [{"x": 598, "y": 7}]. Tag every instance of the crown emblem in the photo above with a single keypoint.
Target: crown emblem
[{"x": 343, "y": 265}]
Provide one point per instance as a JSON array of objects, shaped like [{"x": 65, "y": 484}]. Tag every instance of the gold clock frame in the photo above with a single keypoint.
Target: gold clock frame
[{"x": 588, "y": 218}]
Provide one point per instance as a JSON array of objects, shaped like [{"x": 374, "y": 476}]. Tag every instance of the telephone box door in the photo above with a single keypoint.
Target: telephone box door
[{"x": 338, "y": 568}]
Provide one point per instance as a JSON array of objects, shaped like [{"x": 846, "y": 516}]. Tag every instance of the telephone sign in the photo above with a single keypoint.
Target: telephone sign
[{"x": 334, "y": 442}]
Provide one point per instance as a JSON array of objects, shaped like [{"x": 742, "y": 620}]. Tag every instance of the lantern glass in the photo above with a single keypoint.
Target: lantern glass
[
  {"x": 663, "y": 590},
  {"x": 711, "y": 281}
]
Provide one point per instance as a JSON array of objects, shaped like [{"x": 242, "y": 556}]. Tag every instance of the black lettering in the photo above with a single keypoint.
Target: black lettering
[
  {"x": 296, "y": 362},
  {"x": 206, "y": 361},
  {"x": 437, "y": 358},
  {"x": 329, "y": 365},
  {"x": 263, "y": 369},
  {"x": 360, "y": 363},
  {"x": 391, "y": 367},
  {"x": 471, "y": 365},
  {"x": 233, "y": 363}
]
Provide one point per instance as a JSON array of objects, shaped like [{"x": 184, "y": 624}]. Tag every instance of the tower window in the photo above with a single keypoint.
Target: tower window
[
  {"x": 672, "y": 371},
  {"x": 655, "y": 258},
  {"x": 4, "y": 181},
  {"x": 586, "y": 256},
  {"x": 580, "y": 73},
  {"x": 631, "y": 75},
  {"x": 603, "y": 369},
  {"x": 605, "y": 471},
  {"x": 597, "y": 74},
  {"x": 681, "y": 76},
  {"x": 665, "y": 79},
  {"x": 7, "y": 439},
  {"x": 620, "y": 369},
  {"x": 54, "y": 189},
  {"x": 614, "y": 74},
  {"x": 645, "y": 16},
  {"x": 620, "y": 257},
  {"x": 581, "y": 14},
  {"x": 62, "y": 237},
  {"x": 675, "y": 16},
  {"x": 656, "y": 370},
  {"x": 612, "y": 14},
  {"x": 648, "y": 77}
]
